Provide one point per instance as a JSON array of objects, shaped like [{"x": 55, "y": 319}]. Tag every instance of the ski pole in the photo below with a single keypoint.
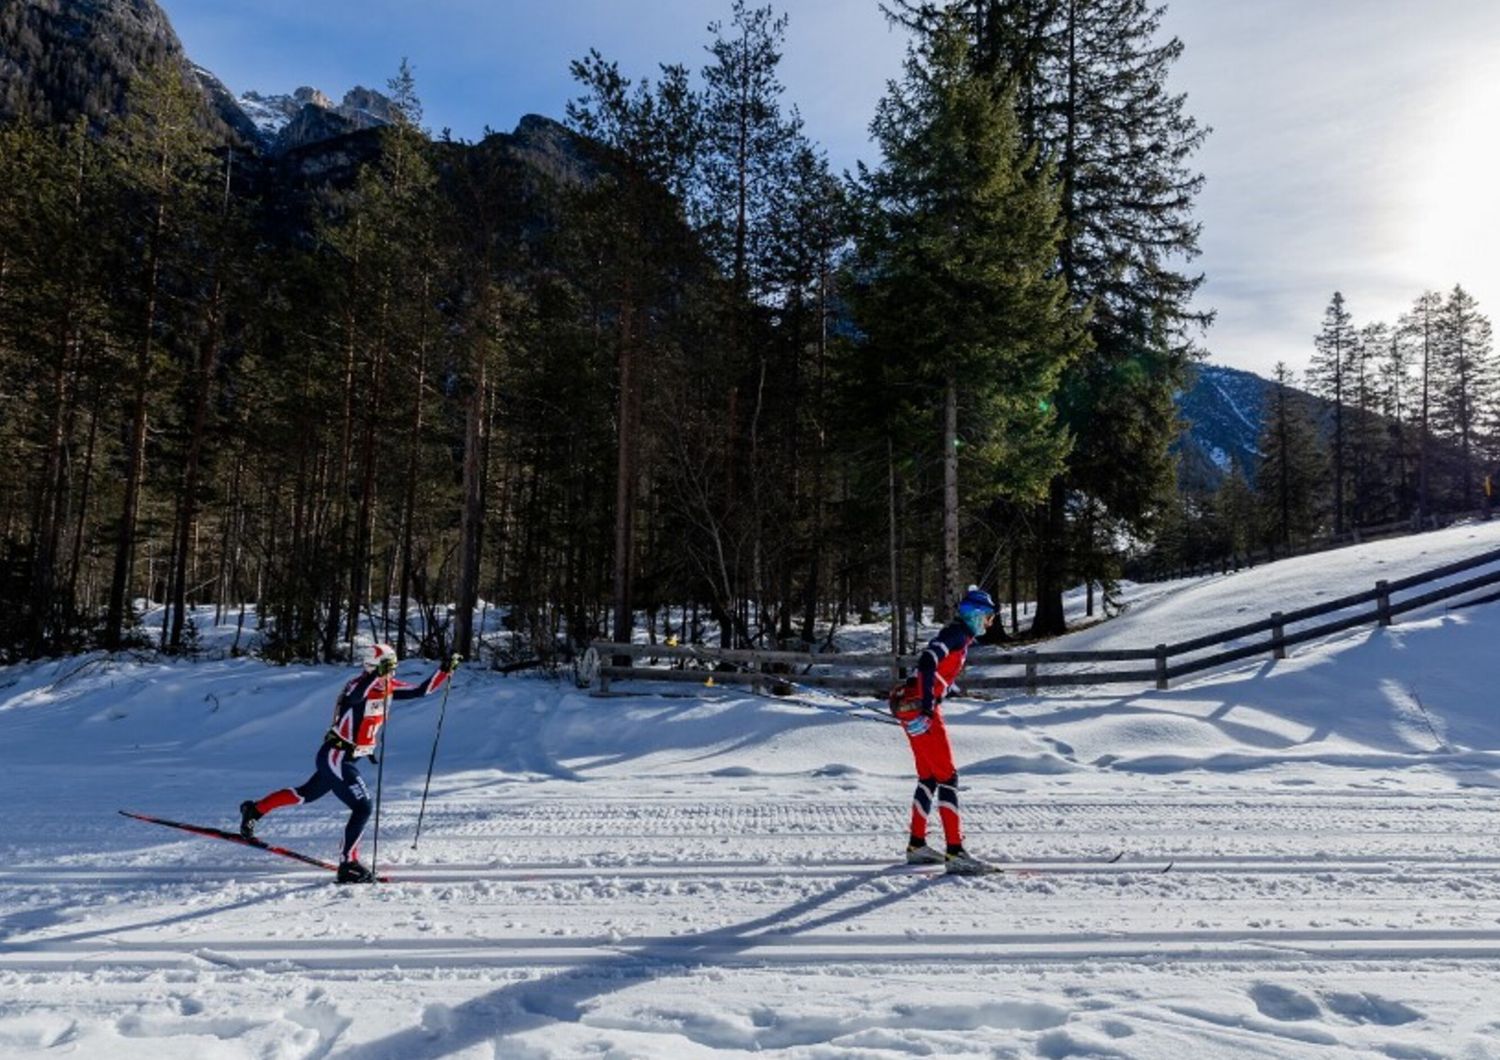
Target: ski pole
[
  {"x": 379, "y": 778},
  {"x": 874, "y": 715},
  {"x": 442, "y": 710}
]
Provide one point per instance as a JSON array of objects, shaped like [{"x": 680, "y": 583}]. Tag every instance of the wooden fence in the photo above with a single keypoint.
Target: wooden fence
[{"x": 875, "y": 673}]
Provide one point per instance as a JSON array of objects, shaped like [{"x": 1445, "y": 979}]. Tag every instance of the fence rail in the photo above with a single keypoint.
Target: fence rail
[{"x": 875, "y": 673}]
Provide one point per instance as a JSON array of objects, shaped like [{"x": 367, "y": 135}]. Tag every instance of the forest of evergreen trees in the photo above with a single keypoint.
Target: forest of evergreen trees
[
  {"x": 1394, "y": 424},
  {"x": 682, "y": 370}
]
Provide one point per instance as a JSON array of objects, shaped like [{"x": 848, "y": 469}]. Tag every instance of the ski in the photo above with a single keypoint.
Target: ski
[
  {"x": 1023, "y": 869},
  {"x": 235, "y": 837}
]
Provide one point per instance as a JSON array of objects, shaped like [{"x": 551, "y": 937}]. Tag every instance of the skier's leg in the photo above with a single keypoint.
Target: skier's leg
[
  {"x": 937, "y": 757},
  {"x": 351, "y": 791},
  {"x": 921, "y": 809},
  {"x": 312, "y": 789},
  {"x": 947, "y": 800}
]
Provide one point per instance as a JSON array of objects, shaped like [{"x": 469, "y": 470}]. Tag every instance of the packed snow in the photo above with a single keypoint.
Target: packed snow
[{"x": 688, "y": 871}]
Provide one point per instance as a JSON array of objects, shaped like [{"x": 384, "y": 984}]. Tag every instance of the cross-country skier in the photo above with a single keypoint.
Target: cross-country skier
[
  {"x": 917, "y": 705},
  {"x": 354, "y": 734}
]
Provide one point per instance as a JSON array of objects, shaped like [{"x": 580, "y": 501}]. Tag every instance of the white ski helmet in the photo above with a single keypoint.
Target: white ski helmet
[{"x": 371, "y": 656}]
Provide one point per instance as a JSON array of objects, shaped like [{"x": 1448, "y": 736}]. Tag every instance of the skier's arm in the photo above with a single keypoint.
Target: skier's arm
[
  {"x": 927, "y": 673},
  {"x": 927, "y": 666},
  {"x": 951, "y": 638},
  {"x": 435, "y": 681}
]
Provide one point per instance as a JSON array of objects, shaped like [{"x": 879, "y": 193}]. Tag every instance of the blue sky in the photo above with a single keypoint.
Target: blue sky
[{"x": 1352, "y": 146}]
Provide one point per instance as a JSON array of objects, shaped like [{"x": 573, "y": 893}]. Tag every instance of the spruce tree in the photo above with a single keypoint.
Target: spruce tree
[
  {"x": 1369, "y": 467},
  {"x": 1292, "y": 479},
  {"x": 1396, "y": 395},
  {"x": 164, "y": 161},
  {"x": 748, "y": 144},
  {"x": 1328, "y": 377},
  {"x": 648, "y": 135},
  {"x": 1466, "y": 383},
  {"x": 1419, "y": 326},
  {"x": 1234, "y": 507},
  {"x": 1090, "y": 80},
  {"x": 963, "y": 298}
]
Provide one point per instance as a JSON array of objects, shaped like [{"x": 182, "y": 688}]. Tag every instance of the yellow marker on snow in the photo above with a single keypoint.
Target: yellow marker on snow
[{"x": 709, "y": 683}]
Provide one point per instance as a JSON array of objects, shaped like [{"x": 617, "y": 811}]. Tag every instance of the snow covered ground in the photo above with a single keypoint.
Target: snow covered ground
[{"x": 706, "y": 872}]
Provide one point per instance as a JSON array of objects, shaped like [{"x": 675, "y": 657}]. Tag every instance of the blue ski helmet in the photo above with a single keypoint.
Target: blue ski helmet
[{"x": 973, "y": 608}]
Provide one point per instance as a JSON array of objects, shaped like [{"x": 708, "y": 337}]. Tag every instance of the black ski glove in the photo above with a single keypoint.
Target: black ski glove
[{"x": 451, "y": 663}]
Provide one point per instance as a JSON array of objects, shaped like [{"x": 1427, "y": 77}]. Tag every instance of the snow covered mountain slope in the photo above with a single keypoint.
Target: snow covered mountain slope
[{"x": 697, "y": 872}]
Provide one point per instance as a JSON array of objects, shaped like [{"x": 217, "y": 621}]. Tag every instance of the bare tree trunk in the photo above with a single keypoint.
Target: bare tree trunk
[
  {"x": 896, "y": 623},
  {"x": 187, "y": 506},
  {"x": 952, "y": 586},
  {"x": 409, "y": 500},
  {"x": 625, "y": 482},
  {"x": 1050, "y": 619},
  {"x": 471, "y": 529},
  {"x": 119, "y": 590}
]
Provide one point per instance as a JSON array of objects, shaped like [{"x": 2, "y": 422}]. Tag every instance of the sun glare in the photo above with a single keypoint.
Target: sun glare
[{"x": 1453, "y": 229}]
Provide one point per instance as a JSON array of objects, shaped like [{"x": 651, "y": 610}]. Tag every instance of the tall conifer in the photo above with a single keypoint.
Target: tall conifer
[{"x": 963, "y": 296}]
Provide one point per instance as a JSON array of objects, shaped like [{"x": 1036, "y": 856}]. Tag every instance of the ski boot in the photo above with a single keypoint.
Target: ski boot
[
  {"x": 248, "y": 816},
  {"x": 959, "y": 862},
  {"x": 922, "y": 854},
  {"x": 355, "y": 872}
]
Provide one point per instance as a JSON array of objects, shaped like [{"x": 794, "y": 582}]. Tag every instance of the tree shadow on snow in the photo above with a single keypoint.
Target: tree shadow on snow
[
  {"x": 115, "y": 931},
  {"x": 561, "y": 997},
  {"x": 1366, "y": 708}
]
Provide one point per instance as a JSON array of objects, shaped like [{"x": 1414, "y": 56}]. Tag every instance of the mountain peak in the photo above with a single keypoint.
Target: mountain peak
[{"x": 288, "y": 121}]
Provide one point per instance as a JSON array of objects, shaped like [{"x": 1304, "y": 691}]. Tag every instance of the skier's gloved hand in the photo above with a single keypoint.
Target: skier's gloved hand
[
  {"x": 450, "y": 664},
  {"x": 386, "y": 666}
]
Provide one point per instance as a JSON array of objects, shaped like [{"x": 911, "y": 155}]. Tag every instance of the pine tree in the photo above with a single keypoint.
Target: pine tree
[
  {"x": 1420, "y": 327},
  {"x": 1373, "y": 488},
  {"x": 54, "y": 278},
  {"x": 1234, "y": 506},
  {"x": 1466, "y": 384},
  {"x": 748, "y": 144},
  {"x": 164, "y": 163},
  {"x": 960, "y": 244},
  {"x": 1291, "y": 481},
  {"x": 1090, "y": 80},
  {"x": 1328, "y": 377},
  {"x": 810, "y": 229},
  {"x": 649, "y": 134},
  {"x": 224, "y": 242},
  {"x": 1396, "y": 395}
]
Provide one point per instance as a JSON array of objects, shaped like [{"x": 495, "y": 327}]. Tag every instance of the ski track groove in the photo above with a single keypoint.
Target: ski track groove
[{"x": 1235, "y": 861}]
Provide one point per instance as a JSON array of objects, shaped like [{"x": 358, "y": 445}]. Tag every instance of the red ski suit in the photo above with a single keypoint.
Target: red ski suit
[{"x": 918, "y": 707}]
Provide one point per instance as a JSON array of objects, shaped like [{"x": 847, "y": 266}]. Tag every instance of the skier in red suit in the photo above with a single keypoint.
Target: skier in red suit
[
  {"x": 354, "y": 734},
  {"x": 918, "y": 707}
]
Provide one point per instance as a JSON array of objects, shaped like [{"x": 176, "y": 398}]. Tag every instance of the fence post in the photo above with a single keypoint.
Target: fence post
[
  {"x": 1031, "y": 673},
  {"x": 1278, "y": 649},
  {"x": 1383, "y": 601},
  {"x": 1161, "y": 666},
  {"x": 604, "y": 677}
]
